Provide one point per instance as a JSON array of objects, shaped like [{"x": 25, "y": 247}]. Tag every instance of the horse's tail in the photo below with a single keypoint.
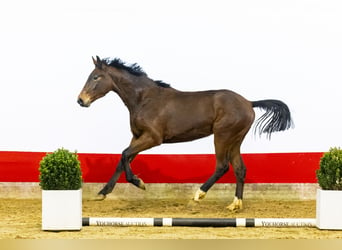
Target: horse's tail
[{"x": 276, "y": 118}]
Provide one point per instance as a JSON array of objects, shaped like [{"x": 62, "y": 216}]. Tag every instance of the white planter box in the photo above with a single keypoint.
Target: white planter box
[
  {"x": 61, "y": 210},
  {"x": 329, "y": 209}
]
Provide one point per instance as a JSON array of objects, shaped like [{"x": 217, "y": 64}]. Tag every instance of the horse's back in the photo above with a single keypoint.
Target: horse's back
[
  {"x": 191, "y": 115},
  {"x": 210, "y": 104}
]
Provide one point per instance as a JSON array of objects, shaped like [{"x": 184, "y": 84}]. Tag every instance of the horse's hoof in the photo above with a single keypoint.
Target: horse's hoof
[
  {"x": 141, "y": 184},
  {"x": 236, "y": 205},
  {"x": 138, "y": 183},
  {"x": 199, "y": 195},
  {"x": 98, "y": 197}
]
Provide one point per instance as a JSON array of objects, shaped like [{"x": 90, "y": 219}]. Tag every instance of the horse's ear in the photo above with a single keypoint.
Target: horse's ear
[{"x": 97, "y": 62}]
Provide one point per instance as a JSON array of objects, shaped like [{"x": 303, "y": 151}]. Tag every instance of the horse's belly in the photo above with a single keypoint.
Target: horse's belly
[{"x": 187, "y": 135}]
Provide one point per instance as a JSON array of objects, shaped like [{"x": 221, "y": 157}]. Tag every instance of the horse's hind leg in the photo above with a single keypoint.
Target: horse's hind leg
[
  {"x": 222, "y": 166},
  {"x": 226, "y": 150},
  {"x": 240, "y": 173},
  {"x": 221, "y": 169}
]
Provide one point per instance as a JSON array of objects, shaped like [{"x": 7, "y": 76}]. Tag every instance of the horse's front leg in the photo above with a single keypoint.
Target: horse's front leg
[
  {"x": 138, "y": 144},
  {"x": 130, "y": 177},
  {"x": 108, "y": 188},
  {"x": 145, "y": 141}
]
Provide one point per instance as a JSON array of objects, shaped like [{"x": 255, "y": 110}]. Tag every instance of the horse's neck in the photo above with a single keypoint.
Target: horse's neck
[{"x": 131, "y": 88}]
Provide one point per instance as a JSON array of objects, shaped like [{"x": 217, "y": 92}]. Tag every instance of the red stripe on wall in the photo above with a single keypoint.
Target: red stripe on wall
[{"x": 261, "y": 168}]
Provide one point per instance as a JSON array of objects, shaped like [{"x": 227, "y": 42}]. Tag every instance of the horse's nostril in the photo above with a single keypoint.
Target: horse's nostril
[
  {"x": 83, "y": 103},
  {"x": 80, "y": 102}
]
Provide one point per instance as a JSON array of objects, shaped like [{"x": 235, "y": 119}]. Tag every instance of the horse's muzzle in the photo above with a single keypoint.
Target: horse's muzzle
[{"x": 81, "y": 102}]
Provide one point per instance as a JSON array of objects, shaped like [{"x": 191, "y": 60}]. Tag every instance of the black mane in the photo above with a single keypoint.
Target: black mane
[
  {"x": 134, "y": 69},
  {"x": 162, "y": 84}
]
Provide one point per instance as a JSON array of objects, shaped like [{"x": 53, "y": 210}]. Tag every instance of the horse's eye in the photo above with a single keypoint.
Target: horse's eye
[{"x": 95, "y": 77}]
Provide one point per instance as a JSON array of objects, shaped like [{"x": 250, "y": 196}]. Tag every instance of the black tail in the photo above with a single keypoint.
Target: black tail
[{"x": 276, "y": 118}]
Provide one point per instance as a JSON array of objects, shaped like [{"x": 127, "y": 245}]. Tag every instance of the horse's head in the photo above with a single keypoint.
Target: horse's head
[{"x": 99, "y": 83}]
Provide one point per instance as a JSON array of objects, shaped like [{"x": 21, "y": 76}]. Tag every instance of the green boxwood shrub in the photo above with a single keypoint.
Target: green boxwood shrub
[
  {"x": 329, "y": 175},
  {"x": 60, "y": 170}
]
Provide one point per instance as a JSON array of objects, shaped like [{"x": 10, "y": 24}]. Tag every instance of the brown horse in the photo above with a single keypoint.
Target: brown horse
[{"x": 161, "y": 114}]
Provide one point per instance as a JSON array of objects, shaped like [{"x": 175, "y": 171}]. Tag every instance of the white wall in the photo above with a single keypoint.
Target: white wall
[{"x": 288, "y": 50}]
